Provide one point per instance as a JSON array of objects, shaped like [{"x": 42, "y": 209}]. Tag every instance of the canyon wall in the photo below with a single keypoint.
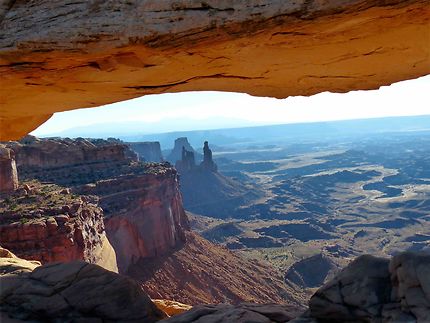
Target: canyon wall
[
  {"x": 142, "y": 204},
  {"x": 49, "y": 224},
  {"x": 62, "y": 55},
  {"x": 144, "y": 214}
]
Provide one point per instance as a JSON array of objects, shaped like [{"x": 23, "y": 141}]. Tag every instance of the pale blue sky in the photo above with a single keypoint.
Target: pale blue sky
[{"x": 186, "y": 111}]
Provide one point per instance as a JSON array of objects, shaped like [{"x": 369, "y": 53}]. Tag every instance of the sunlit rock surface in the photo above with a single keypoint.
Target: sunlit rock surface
[
  {"x": 48, "y": 223},
  {"x": 62, "y": 55}
]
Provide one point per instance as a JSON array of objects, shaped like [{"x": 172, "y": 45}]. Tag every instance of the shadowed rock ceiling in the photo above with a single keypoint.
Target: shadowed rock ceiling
[{"x": 60, "y": 55}]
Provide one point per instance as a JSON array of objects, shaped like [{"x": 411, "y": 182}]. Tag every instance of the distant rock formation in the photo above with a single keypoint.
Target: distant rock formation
[
  {"x": 208, "y": 163},
  {"x": 187, "y": 162},
  {"x": 49, "y": 224},
  {"x": 176, "y": 153},
  {"x": 8, "y": 172},
  {"x": 70, "y": 292},
  {"x": 149, "y": 151}
]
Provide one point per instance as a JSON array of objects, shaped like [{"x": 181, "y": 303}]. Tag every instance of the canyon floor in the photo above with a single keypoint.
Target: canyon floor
[{"x": 326, "y": 201}]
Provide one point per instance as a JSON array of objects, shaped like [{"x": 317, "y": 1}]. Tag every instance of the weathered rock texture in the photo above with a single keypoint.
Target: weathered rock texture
[
  {"x": 69, "y": 162},
  {"x": 144, "y": 214},
  {"x": 373, "y": 289},
  {"x": 242, "y": 313},
  {"x": 8, "y": 172},
  {"x": 70, "y": 292},
  {"x": 148, "y": 151},
  {"x": 63, "y": 55},
  {"x": 142, "y": 204},
  {"x": 171, "y": 308},
  {"x": 44, "y": 224}
]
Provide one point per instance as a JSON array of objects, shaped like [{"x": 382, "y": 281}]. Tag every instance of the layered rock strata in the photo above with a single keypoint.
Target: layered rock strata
[
  {"x": 62, "y": 55},
  {"x": 144, "y": 213},
  {"x": 69, "y": 161},
  {"x": 8, "y": 172},
  {"x": 142, "y": 204},
  {"x": 49, "y": 224},
  {"x": 70, "y": 292}
]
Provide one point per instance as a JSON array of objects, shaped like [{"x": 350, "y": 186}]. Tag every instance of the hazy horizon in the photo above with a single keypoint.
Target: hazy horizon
[{"x": 190, "y": 111}]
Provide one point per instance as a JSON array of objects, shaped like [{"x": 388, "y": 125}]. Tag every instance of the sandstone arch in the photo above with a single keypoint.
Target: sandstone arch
[{"x": 62, "y": 55}]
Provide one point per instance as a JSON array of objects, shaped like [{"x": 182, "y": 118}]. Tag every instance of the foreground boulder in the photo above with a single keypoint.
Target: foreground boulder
[
  {"x": 375, "y": 289},
  {"x": 245, "y": 312},
  {"x": 70, "y": 292}
]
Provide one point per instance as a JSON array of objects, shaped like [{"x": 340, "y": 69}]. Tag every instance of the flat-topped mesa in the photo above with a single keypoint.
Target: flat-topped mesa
[
  {"x": 47, "y": 223},
  {"x": 149, "y": 151},
  {"x": 8, "y": 172},
  {"x": 144, "y": 213},
  {"x": 70, "y": 162}
]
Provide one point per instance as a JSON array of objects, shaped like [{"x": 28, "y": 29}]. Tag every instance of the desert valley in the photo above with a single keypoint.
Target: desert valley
[
  {"x": 256, "y": 161},
  {"x": 261, "y": 220}
]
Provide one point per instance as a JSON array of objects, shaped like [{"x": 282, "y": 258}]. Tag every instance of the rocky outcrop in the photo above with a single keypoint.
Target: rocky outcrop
[
  {"x": 49, "y": 224},
  {"x": 242, "y": 313},
  {"x": 187, "y": 163},
  {"x": 181, "y": 145},
  {"x": 208, "y": 164},
  {"x": 144, "y": 213},
  {"x": 8, "y": 172},
  {"x": 148, "y": 151},
  {"x": 375, "y": 289},
  {"x": 63, "y": 55},
  {"x": 69, "y": 162},
  {"x": 171, "y": 308},
  {"x": 70, "y": 292}
]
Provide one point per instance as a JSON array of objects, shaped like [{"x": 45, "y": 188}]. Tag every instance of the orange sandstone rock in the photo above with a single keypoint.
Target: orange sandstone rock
[{"x": 63, "y": 55}]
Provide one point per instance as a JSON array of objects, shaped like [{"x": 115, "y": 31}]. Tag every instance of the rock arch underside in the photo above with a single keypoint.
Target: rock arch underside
[{"x": 62, "y": 55}]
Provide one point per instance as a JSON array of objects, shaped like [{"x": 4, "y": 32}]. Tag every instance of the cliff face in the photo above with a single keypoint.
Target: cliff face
[
  {"x": 48, "y": 224},
  {"x": 63, "y": 55},
  {"x": 148, "y": 151},
  {"x": 142, "y": 204},
  {"x": 144, "y": 214}
]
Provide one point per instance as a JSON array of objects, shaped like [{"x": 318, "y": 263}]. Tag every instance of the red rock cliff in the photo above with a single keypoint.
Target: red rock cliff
[
  {"x": 144, "y": 214},
  {"x": 45, "y": 224}
]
